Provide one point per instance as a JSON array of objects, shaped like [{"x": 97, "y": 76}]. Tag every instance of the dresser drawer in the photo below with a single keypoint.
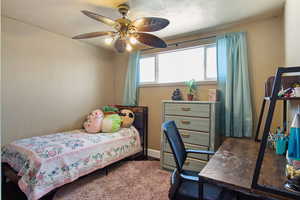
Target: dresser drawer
[
  {"x": 167, "y": 148},
  {"x": 190, "y": 163},
  {"x": 194, "y": 137},
  {"x": 195, "y": 110},
  {"x": 190, "y": 123}
]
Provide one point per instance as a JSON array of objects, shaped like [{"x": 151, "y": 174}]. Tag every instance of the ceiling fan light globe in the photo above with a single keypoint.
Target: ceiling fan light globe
[
  {"x": 132, "y": 40},
  {"x": 108, "y": 41},
  {"x": 128, "y": 47},
  {"x": 139, "y": 22}
]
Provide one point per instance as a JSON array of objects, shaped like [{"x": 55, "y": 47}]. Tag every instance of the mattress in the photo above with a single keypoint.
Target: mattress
[{"x": 47, "y": 162}]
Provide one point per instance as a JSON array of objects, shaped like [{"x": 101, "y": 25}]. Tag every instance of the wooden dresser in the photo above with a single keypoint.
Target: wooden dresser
[{"x": 197, "y": 124}]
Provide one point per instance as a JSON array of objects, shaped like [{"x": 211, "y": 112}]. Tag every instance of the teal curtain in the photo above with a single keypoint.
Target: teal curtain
[
  {"x": 233, "y": 83},
  {"x": 130, "y": 97}
]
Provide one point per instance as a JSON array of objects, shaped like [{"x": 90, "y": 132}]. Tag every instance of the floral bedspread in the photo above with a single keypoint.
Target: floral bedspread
[{"x": 49, "y": 161}]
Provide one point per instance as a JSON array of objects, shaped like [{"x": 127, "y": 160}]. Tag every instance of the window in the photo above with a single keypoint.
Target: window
[
  {"x": 197, "y": 63},
  {"x": 147, "y": 72}
]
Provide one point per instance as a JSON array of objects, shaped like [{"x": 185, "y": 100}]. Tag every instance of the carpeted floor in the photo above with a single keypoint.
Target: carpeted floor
[{"x": 135, "y": 180}]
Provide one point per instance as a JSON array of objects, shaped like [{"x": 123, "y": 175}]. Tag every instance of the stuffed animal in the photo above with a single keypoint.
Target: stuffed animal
[
  {"x": 111, "y": 123},
  {"x": 93, "y": 122},
  {"x": 127, "y": 117},
  {"x": 110, "y": 110}
]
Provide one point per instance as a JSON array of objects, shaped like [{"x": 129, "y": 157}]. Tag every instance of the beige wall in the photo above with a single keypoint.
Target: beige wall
[
  {"x": 265, "y": 53},
  {"x": 120, "y": 64},
  {"x": 292, "y": 33},
  {"x": 49, "y": 82}
]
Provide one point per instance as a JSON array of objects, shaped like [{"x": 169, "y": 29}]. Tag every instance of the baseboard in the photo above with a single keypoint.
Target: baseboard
[{"x": 154, "y": 153}]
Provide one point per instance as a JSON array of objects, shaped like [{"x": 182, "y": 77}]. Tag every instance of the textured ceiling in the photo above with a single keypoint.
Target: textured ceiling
[{"x": 64, "y": 16}]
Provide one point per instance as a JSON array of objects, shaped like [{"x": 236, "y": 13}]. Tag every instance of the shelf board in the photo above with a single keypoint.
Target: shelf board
[
  {"x": 273, "y": 170},
  {"x": 283, "y": 98}
]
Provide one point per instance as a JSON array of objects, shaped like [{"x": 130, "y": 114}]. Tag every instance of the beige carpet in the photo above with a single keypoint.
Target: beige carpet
[{"x": 134, "y": 180}]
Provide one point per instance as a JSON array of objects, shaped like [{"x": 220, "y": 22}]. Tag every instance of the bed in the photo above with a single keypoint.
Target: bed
[{"x": 41, "y": 164}]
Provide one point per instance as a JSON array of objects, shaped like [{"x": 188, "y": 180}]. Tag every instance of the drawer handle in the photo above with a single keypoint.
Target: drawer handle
[
  {"x": 185, "y": 135},
  {"x": 186, "y": 109},
  {"x": 187, "y": 163},
  {"x": 185, "y": 122}
]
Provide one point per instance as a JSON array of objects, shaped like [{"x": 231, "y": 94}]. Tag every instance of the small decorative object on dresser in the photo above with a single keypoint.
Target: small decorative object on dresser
[
  {"x": 192, "y": 88},
  {"x": 197, "y": 122},
  {"x": 177, "y": 95}
]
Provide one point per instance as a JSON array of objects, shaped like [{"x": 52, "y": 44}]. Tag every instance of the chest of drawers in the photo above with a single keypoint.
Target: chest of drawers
[{"x": 197, "y": 122}]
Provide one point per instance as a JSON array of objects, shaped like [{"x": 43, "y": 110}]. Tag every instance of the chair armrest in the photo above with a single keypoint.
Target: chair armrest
[
  {"x": 200, "y": 151},
  {"x": 189, "y": 178}
]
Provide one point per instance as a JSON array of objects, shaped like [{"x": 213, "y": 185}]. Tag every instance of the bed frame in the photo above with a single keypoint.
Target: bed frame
[{"x": 140, "y": 123}]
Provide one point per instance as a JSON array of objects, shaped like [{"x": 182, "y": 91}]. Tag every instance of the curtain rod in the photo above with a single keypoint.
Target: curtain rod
[{"x": 182, "y": 42}]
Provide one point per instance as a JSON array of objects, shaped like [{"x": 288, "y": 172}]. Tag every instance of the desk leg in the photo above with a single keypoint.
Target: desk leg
[
  {"x": 262, "y": 110},
  {"x": 106, "y": 170},
  {"x": 3, "y": 181},
  {"x": 200, "y": 186}
]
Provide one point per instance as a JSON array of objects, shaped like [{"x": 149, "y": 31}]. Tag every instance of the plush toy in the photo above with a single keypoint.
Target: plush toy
[
  {"x": 127, "y": 117},
  {"x": 110, "y": 110},
  {"x": 111, "y": 123},
  {"x": 93, "y": 122}
]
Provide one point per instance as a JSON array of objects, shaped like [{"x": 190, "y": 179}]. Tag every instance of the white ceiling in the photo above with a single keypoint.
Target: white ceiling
[{"x": 64, "y": 16}]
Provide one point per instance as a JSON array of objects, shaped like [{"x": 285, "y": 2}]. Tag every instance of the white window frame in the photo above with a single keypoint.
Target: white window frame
[
  {"x": 206, "y": 81},
  {"x": 205, "y": 63},
  {"x": 155, "y": 67}
]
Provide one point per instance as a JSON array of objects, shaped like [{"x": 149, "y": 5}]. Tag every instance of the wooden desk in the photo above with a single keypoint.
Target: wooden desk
[{"x": 233, "y": 167}]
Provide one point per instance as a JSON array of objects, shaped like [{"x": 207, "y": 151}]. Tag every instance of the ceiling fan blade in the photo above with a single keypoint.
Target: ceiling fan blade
[
  {"x": 101, "y": 18},
  {"x": 92, "y": 35},
  {"x": 151, "y": 40},
  {"x": 120, "y": 45},
  {"x": 150, "y": 24}
]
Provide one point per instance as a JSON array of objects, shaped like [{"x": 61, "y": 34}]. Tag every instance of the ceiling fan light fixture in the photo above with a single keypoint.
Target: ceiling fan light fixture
[
  {"x": 128, "y": 47},
  {"x": 132, "y": 40},
  {"x": 139, "y": 22},
  {"x": 108, "y": 40},
  {"x": 127, "y": 32}
]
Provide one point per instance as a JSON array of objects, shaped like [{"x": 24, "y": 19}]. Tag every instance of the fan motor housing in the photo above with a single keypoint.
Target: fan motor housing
[{"x": 123, "y": 9}]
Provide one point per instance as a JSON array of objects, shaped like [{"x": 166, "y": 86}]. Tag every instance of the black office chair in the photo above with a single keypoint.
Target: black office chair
[{"x": 184, "y": 183}]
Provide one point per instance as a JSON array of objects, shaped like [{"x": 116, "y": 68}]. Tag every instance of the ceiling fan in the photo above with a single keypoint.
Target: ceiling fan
[{"x": 128, "y": 32}]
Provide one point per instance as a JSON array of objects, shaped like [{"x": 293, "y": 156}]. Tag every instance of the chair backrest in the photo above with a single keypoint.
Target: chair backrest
[{"x": 171, "y": 132}]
